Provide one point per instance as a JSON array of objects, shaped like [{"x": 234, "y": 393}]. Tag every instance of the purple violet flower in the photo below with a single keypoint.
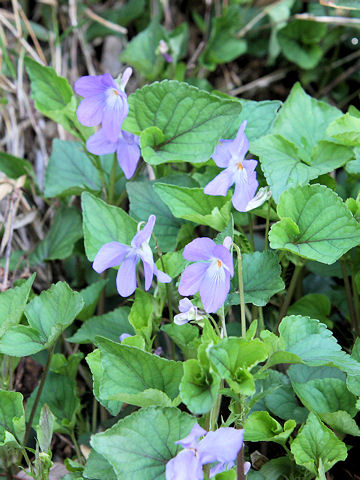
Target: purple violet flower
[
  {"x": 126, "y": 147},
  {"x": 221, "y": 446},
  {"x": 188, "y": 312},
  {"x": 210, "y": 274},
  {"x": 123, "y": 336},
  {"x": 164, "y": 50},
  {"x": 230, "y": 154},
  {"x": 114, "y": 253},
  {"x": 104, "y": 102}
]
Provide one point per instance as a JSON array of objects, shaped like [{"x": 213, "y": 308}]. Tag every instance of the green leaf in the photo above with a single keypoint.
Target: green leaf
[
  {"x": 91, "y": 295},
  {"x": 327, "y": 229},
  {"x": 142, "y": 52},
  {"x": 261, "y": 427},
  {"x": 284, "y": 168},
  {"x": 45, "y": 429},
  {"x": 324, "y": 395},
  {"x": 315, "y": 443},
  {"x": 192, "y": 204},
  {"x": 54, "y": 97},
  {"x": 199, "y": 388},
  {"x": 283, "y": 403},
  {"x": 341, "y": 422},
  {"x": 133, "y": 450},
  {"x": 70, "y": 171},
  {"x": 98, "y": 467},
  {"x": 298, "y": 148},
  {"x": 59, "y": 242},
  {"x": 141, "y": 312},
  {"x": 261, "y": 278},
  {"x": 14, "y": 167},
  {"x": 223, "y": 46},
  {"x": 49, "y": 91},
  {"x": 299, "y": 42},
  {"x": 110, "y": 325},
  {"x": 313, "y": 305},
  {"x": 144, "y": 201},
  {"x": 12, "y": 304},
  {"x": 137, "y": 377},
  {"x": 303, "y": 120},
  {"x": 103, "y": 223},
  {"x": 94, "y": 361},
  {"x": 233, "y": 357},
  {"x": 12, "y": 418},
  {"x": 259, "y": 116},
  {"x": 314, "y": 344},
  {"x": 186, "y": 337},
  {"x": 192, "y": 120},
  {"x": 346, "y": 130},
  {"x": 59, "y": 394},
  {"x": 48, "y": 315}
]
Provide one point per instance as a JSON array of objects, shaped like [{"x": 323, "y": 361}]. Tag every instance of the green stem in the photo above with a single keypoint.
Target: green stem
[
  {"x": 223, "y": 324},
  {"x": 27, "y": 460},
  {"x": 356, "y": 300},
  {"x": 267, "y": 225},
  {"x": 112, "y": 180},
  {"x": 241, "y": 291},
  {"x": 214, "y": 413},
  {"x": 167, "y": 287},
  {"x": 289, "y": 295},
  {"x": 94, "y": 415},
  {"x": 349, "y": 297},
  {"x": 38, "y": 395},
  {"x": 77, "y": 449},
  {"x": 214, "y": 325},
  {"x": 250, "y": 217},
  {"x": 261, "y": 325}
]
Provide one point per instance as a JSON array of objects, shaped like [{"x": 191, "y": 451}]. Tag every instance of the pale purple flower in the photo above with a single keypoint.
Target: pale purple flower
[
  {"x": 164, "y": 50},
  {"x": 104, "y": 102},
  {"x": 115, "y": 253},
  {"x": 261, "y": 197},
  {"x": 210, "y": 274},
  {"x": 123, "y": 336},
  {"x": 221, "y": 446},
  {"x": 188, "y": 312},
  {"x": 126, "y": 147},
  {"x": 230, "y": 154}
]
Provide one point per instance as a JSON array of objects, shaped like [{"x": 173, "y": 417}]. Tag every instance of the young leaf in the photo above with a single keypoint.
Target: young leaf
[
  {"x": 325, "y": 229},
  {"x": 186, "y": 337},
  {"x": 198, "y": 388},
  {"x": 103, "y": 223},
  {"x": 191, "y": 120},
  {"x": 315, "y": 443},
  {"x": 45, "y": 429},
  {"x": 192, "y": 204},
  {"x": 261, "y": 427},
  {"x": 233, "y": 357},
  {"x": 12, "y": 304},
  {"x": 70, "y": 171},
  {"x": 136, "y": 377},
  {"x": 48, "y": 315},
  {"x": 133, "y": 450},
  {"x": 142, "y": 52},
  {"x": 346, "y": 130},
  {"x": 141, "y": 312}
]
